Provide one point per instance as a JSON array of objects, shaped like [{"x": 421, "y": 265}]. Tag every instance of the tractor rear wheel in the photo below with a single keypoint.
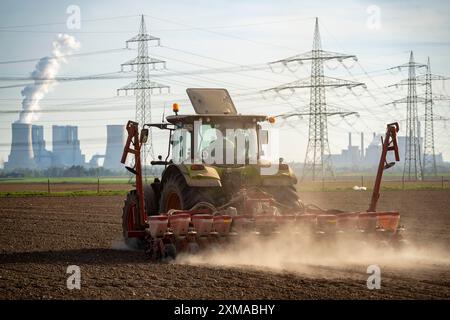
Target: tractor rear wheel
[
  {"x": 130, "y": 208},
  {"x": 176, "y": 194},
  {"x": 286, "y": 195},
  {"x": 151, "y": 202}
]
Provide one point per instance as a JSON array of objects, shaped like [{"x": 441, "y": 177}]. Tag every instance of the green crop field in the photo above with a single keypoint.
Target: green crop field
[
  {"x": 93, "y": 186},
  {"x": 62, "y": 193},
  {"x": 106, "y": 180},
  {"x": 368, "y": 183}
]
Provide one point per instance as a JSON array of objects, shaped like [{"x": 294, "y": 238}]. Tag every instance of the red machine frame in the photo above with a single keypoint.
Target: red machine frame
[
  {"x": 388, "y": 144},
  {"x": 137, "y": 224}
]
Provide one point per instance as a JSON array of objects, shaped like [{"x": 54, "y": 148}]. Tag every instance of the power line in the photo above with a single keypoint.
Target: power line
[
  {"x": 74, "y": 55},
  {"x": 221, "y": 33},
  {"x": 64, "y": 23}
]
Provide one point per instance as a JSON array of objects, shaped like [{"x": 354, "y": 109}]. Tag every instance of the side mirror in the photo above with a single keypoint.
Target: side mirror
[
  {"x": 132, "y": 170},
  {"x": 389, "y": 165},
  {"x": 264, "y": 136},
  {"x": 144, "y": 135}
]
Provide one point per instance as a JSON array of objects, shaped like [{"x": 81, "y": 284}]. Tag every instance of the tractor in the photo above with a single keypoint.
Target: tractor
[{"x": 217, "y": 181}]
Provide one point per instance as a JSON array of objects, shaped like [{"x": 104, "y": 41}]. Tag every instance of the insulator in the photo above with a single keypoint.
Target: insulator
[
  {"x": 293, "y": 70},
  {"x": 271, "y": 66},
  {"x": 330, "y": 67}
]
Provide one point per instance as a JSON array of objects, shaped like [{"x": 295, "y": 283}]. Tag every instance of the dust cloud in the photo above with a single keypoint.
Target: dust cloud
[
  {"x": 294, "y": 253},
  {"x": 121, "y": 245}
]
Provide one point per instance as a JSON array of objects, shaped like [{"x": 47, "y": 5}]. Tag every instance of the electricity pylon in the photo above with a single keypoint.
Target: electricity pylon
[
  {"x": 412, "y": 169},
  {"x": 429, "y": 155},
  {"x": 317, "y": 158},
  {"x": 426, "y": 165},
  {"x": 143, "y": 87}
]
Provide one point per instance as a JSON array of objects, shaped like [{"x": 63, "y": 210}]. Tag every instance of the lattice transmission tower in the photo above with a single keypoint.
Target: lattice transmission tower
[
  {"x": 317, "y": 159},
  {"x": 417, "y": 164},
  {"x": 429, "y": 152},
  {"x": 429, "y": 155},
  {"x": 412, "y": 169},
  {"x": 143, "y": 87}
]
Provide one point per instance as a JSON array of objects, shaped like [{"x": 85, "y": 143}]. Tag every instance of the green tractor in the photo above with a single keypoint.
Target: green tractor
[
  {"x": 216, "y": 185},
  {"x": 213, "y": 157}
]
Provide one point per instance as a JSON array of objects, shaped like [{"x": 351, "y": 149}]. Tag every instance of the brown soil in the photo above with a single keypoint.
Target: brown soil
[{"x": 41, "y": 236}]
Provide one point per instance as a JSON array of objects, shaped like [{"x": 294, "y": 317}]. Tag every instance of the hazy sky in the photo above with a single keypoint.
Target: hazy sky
[{"x": 198, "y": 36}]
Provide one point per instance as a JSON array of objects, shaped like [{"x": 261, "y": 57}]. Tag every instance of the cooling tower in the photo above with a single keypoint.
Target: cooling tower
[
  {"x": 37, "y": 138},
  {"x": 21, "y": 156},
  {"x": 114, "y": 147},
  {"x": 42, "y": 157},
  {"x": 66, "y": 147}
]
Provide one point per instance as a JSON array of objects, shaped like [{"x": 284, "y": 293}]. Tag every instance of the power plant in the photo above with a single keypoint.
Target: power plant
[
  {"x": 360, "y": 157},
  {"x": 28, "y": 148}
]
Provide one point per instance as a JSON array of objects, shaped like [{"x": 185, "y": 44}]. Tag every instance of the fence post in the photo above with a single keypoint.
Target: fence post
[
  {"x": 48, "y": 185},
  {"x": 362, "y": 181},
  {"x": 98, "y": 185},
  {"x": 403, "y": 183}
]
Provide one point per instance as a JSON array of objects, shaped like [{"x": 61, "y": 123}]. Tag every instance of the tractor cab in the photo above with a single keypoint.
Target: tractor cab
[
  {"x": 216, "y": 135},
  {"x": 217, "y": 139}
]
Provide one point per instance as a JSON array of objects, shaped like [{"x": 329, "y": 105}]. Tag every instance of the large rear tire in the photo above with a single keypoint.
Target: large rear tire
[
  {"x": 176, "y": 194},
  {"x": 288, "y": 196},
  {"x": 151, "y": 202}
]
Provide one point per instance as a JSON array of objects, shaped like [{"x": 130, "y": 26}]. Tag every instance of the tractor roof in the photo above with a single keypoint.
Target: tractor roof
[
  {"x": 211, "y": 101},
  {"x": 213, "y": 105},
  {"x": 215, "y": 118}
]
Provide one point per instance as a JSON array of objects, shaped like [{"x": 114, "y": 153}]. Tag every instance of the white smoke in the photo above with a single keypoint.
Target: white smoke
[{"x": 47, "y": 68}]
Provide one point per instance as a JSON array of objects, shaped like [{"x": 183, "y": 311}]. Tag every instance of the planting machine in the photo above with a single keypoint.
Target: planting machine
[{"x": 215, "y": 186}]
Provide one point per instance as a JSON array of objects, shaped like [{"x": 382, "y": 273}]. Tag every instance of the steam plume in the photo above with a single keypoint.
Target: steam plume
[{"x": 47, "y": 68}]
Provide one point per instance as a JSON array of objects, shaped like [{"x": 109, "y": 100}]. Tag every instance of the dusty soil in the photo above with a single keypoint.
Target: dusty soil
[{"x": 41, "y": 236}]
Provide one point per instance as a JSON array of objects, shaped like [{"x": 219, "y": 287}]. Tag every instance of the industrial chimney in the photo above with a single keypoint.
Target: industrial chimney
[
  {"x": 21, "y": 155},
  {"x": 362, "y": 145},
  {"x": 114, "y": 147}
]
